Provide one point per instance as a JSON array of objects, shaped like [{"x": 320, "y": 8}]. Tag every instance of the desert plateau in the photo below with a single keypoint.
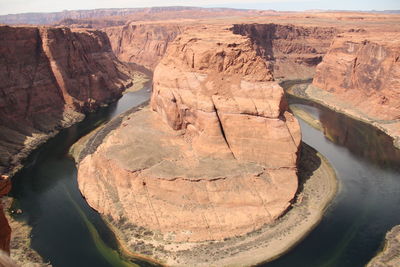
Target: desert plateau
[{"x": 175, "y": 135}]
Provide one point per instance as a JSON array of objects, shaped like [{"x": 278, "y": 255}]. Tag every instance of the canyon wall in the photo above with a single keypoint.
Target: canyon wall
[
  {"x": 50, "y": 76},
  {"x": 363, "y": 70},
  {"x": 360, "y": 75},
  {"x": 143, "y": 44},
  {"x": 222, "y": 75},
  {"x": 222, "y": 164},
  {"x": 5, "y": 230},
  {"x": 291, "y": 52}
]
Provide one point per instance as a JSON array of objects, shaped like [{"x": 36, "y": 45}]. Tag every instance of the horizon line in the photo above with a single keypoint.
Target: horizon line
[{"x": 210, "y": 7}]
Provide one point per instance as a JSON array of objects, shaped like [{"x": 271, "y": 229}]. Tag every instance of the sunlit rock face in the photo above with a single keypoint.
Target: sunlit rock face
[
  {"x": 141, "y": 43},
  {"x": 49, "y": 77},
  {"x": 363, "y": 70},
  {"x": 215, "y": 154},
  {"x": 360, "y": 75},
  {"x": 5, "y": 230},
  {"x": 292, "y": 52}
]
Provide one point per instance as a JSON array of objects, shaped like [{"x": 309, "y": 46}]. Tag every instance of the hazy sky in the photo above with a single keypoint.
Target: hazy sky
[{"x": 20, "y": 6}]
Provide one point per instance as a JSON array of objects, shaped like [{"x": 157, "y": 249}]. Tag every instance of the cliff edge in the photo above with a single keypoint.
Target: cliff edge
[
  {"x": 360, "y": 76},
  {"x": 214, "y": 157},
  {"x": 50, "y": 77}
]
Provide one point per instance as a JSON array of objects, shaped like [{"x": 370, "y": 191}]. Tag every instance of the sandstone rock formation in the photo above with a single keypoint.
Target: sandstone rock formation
[
  {"x": 142, "y": 43},
  {"x": 223, "y": 86},
  {"x": 5, "y": 230},
  {"x": 223, "y": 162},
  {"x": 49, "y": 76},
  {"x": 360, "y": 75},
  {"x": 292, "y": 52}
]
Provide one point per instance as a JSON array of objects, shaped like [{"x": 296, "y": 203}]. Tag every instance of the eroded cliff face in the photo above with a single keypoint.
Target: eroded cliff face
[
  {"x": 143, "y": 44},
  {"x": 360, "y": 75},
  {"x": 50, "y": 76},
  {"x": 5, "y": 230},
  {"x": 225, "y": 92},
  {"x": 223, "y": 162},
  {"x": 365, "y": 71},
  {"x": 291, "y": 52}
]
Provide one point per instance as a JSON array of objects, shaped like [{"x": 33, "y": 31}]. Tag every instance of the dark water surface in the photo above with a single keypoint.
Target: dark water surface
[
  {"x": 65, "y": 230},
  {"x": 368, "y": 202}
]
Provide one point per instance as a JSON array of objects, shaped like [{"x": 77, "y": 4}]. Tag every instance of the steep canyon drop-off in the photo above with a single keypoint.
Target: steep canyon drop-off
[
  {"x": 226, "y": 134},
  {"x": 208, "y": 85},
  {"x": 212, "y": 81},
  {"x": 50, "y": 77}
]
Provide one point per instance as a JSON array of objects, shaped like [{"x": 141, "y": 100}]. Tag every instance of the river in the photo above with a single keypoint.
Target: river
[
  {"x": 67, "y": 232},
  {"x": 368, "y": 202}
]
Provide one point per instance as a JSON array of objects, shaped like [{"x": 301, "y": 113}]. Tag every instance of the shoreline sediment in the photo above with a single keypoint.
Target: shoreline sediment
[
  {"x": 307, "y": 91},
  {"x": 388, "y": 256},
  {"x": 20, "y": 230},
  {"x": 318, "y": 185},
  {"x": 20, "y": 243}
]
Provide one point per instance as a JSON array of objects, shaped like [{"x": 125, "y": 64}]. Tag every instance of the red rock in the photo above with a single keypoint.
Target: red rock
[
  {"x": 223, "y": 163},
  {"x": 292, "y": 51},
  {"x": 49, "y": 75},
  {"x": 360, "y": 75},
  {"x": 363, "y": 70},
  {"x": 219, "y": 86},
  {"x": 142, "y": 43},
  {"x": 5, "y": 230}
]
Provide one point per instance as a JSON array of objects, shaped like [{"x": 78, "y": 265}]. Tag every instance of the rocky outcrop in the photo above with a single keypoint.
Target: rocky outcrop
[
  {"x": 360, "y": 76},
  {"x": 223, "y": 86},
  {"x": 50, "y": 76},
  {"x": 360, "y": 138},
  {"x": 142, "y": 43},
  {"x": 389, "y": 256},
  {"x": 291, "y": 52},
  {"x": 222, "y": 164},
  {"x": 5, "y": 230}
]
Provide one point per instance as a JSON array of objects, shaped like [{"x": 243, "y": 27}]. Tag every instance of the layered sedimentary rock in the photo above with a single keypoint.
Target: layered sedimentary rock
[
  {"x": 360, "y": 75},
  {"x": 143, "y": 44},
  {"x": 5, "y": 230},
  {"x": 218, "y": 156},
  {"x": 50, "y": 76},
  {"x": 292, "y": 52}
]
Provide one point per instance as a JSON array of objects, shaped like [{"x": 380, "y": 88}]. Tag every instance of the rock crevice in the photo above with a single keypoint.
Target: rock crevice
[{"x": 215, "y": 154}]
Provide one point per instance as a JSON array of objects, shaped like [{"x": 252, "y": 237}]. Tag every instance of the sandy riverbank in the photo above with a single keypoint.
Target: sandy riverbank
[
  {"x": 389, "y": 256},
  {"x": 304, "y": 115},
  {"x": 21, "y": 251},
  {"x": 309, "y": 92},
  {"x": 318, "y": 186}
]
